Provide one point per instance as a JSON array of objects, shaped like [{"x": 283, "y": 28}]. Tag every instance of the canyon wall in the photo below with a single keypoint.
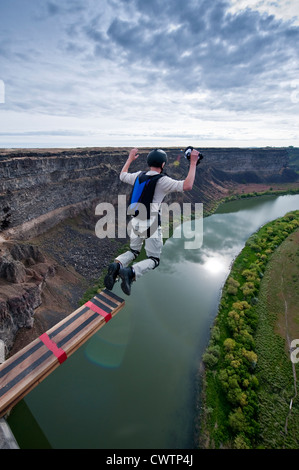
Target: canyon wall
[
  {"x": 39, "y": 188},
  {"x": 266, "y": 162},
  {"x": 23, "y": 272}
]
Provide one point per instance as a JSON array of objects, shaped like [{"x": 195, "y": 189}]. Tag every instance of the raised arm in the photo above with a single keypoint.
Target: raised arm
[
  {"x": 132, "y": 156},
  {"x": 189, "y": 181}
]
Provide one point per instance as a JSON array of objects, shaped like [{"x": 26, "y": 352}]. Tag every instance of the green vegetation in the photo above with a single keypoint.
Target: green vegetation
[
  {"x": 268, "y": 192},
  {"x": 93, "y": 290},
  {"x": 232, "y": 389}
]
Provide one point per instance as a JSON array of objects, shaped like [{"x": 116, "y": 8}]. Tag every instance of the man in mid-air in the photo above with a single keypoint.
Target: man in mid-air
[{"x": 149, "y": 189}]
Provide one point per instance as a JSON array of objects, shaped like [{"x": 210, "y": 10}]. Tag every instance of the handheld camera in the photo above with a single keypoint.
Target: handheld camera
[{"x": 187, "y": 153}]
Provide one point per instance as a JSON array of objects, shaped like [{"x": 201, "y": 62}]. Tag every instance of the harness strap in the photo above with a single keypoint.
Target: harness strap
[
  {"x": 136, "y": 253},
  {"x": 156, "y": 261},
  {"x": 143, "y": 193}
]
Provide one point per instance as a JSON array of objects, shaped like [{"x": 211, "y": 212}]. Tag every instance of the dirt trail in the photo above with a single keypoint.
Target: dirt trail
[{"x": 289, "y": 347}]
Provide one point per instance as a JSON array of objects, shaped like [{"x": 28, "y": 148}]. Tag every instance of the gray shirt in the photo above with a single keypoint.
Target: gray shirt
[{"x": 164, "y": 186}]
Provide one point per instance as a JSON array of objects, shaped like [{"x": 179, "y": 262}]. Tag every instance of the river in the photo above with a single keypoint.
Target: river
[{"x": 133, "y": 384}]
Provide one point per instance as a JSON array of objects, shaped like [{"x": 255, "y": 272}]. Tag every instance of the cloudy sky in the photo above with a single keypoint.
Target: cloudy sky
[{"x": 149, "y": 73}]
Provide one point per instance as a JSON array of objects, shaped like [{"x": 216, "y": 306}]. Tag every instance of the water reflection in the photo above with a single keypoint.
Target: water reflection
[
  {"x": 226, "y": 231},
  {"x": 219, "y": 240},
  {"x": 215, "y": 265},
  {"x": 132, "y": 386}
]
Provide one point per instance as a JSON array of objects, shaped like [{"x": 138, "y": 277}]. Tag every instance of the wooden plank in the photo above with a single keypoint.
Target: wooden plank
[{"x": 30, "y": 366}]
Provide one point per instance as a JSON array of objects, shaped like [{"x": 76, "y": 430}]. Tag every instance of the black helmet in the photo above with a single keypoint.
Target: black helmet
[{"x": 156, "y": 158}]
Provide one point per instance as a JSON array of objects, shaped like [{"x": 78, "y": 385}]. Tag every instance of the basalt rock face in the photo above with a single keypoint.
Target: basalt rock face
[
  {"x": 265, "y": 162},
  {"x": 250, "y": 165},
  {"x": 23, "y": 271},
  {"x": 39, "y": 188}
]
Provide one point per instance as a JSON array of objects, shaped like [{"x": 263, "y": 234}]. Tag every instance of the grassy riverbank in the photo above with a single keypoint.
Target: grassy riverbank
[
  {"x": 291, "y": 190},
  {"x": 268, "y": 192},
  {"x": 278, "y": 325},
  {"x": 235, "y": 393}
]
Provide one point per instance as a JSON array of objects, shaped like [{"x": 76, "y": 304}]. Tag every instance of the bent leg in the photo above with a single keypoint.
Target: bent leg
[
  {"x": 143, "y": 267},
  {"x": 135, "y": 247},
  {"x": 153, "y": 248}
]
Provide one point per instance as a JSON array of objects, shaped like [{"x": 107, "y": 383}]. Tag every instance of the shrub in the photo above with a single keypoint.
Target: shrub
[
  {"x": 248, "y": 289},
  {"x": 215, "y": 334},
  {"x": 232, "y": 290},
  {"x": 241, "y": 442},
  {"x": 209, "y": 359},
  {"x": 249, "y": 274},
  {"x": 229, "y": 344},
  {"x": 237, "y": 420}
]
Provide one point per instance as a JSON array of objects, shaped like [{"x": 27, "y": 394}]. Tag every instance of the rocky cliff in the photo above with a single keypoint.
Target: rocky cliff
[
  {"x": 41, "y": 190},
  {"x": 264, "y": 162},
  {"x": 38, "y": 188},
  {"x": 23, "y": 270}
]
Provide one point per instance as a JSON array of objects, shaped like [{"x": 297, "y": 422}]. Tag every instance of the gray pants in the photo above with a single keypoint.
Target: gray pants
[{"x": 153, "y": 247}]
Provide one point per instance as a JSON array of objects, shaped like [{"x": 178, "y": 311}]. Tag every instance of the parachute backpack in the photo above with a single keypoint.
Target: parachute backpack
[{"x": 143, "y": 193}]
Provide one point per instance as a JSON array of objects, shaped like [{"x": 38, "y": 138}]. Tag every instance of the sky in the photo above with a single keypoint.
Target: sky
[{"x": 138, "y": 73}]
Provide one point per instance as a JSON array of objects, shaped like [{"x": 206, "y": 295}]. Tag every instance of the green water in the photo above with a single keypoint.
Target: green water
[{"x": 132, "y": 385}]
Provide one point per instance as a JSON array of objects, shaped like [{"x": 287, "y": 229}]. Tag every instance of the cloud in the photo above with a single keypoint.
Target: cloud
[
  {"x": 198, "y": 46},
  {"x": 64, "y": 8},
  {"x": 285, "y": 10},
  {"x": 152, "y": 61},
  {"x": 52, "y": 8}
]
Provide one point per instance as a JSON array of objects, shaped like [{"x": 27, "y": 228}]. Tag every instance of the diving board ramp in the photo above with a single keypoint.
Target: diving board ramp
[{"x": 27, "y": 368}]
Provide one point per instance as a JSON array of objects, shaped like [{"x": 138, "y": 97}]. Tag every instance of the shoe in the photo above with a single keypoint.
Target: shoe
[
  {"x": 111, "y": 276},
  {"x": 127, "y": 275}
]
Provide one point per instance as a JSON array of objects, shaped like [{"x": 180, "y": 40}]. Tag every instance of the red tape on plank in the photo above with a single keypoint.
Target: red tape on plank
[
  {"x": 58, "y": 352},
  {"x": 98, "y": 310}
]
